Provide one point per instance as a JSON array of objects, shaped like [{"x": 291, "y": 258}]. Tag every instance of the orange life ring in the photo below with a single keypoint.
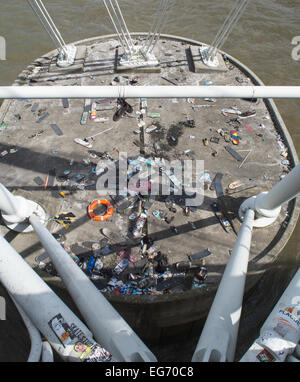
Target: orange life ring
[{"x": 96, "y": 203}]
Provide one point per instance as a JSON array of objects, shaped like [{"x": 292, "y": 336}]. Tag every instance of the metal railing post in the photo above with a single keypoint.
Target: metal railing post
[
  {"x": 106, "y": 323},
  {"x": 217, "y": 342}
]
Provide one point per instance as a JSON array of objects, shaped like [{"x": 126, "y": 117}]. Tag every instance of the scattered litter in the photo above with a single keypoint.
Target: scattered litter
[
  {"x": 65, "y": 219},
  {"x": 151, "y": 129},
  {"x": 83, "y": 143},
  {"x": 56, "y": 129},
  {"x": 199, "y": 255},
  {"x": 233, "y": 153},
  {"x": 45, "y": 115},
  {"x": 3, "y": 153},
  {"x": 101, "y": 119},
  {"x": 35, "y": 107},
  {"x": 154, "y": 115},
  {"x": 227, "y": 112},
  {"x": 235, "y": 185},
  {"x": 247, "y": 114},
  {"x": 65, "y": 103},
  {"x": 223, "y": 221}
]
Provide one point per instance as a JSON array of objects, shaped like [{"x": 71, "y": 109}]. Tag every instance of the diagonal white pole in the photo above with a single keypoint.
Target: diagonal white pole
[
  {"x": 44, "y": 308},
  {"x": 217, "y": 342},
  {"x": 280, "y": 334},
  {"x": 105, "y": 322},
  {"x": 34, "y": 334}
]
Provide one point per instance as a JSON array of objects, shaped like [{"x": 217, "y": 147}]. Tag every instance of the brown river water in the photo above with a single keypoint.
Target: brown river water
[{"x": 262, "y": 40}]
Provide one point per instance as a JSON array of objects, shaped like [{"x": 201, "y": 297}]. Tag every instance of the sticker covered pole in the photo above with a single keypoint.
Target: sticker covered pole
[
  {"x": 102, "y": 318},
  {"x": 72, "y": 340},
  {"x": 280, "y": 334}
]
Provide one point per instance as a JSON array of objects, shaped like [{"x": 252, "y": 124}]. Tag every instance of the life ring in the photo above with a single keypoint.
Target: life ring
[{"x": 96, "y": 203}]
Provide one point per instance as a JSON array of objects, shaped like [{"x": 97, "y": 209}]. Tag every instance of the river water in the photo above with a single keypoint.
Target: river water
[{"x": 262, "y": 40}]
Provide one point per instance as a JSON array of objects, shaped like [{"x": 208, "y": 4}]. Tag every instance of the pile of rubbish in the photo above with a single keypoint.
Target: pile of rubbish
[{"x": 149, "y": 275}]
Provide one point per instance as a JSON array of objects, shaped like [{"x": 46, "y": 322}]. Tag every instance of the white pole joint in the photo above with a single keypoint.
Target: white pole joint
[
  {"x": 16, "y": 210},
  {"x": 263, "y": 217}
]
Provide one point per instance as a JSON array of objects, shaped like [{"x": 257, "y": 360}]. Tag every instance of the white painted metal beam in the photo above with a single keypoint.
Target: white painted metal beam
[
  {"x": 267, "y": 205},
  {"x": 56, "y": 92},
  {"x": 48, "y": 313},
  {"x": 280, "y": 334},
  {"x": 34, "y": 334},
  {"x": 217, "y": 342},
  {"x": 109, "y": 328}
]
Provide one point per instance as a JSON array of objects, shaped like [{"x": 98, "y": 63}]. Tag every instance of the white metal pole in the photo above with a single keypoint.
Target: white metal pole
[
  {"x": 218, "y": 338},
  {"x": 34, "y": 334},
  {"x": 267, "y": 205},
  {"x": 16, "y": 210},
  {"x": 47, "y": 353},
  {"x": 56, "y": 92},
  {"x": 106, "y": 323},
  {"x": 280, "y": 333},
  {"x": 285, "y": 190},
  {"x": 44, "y": 308}
]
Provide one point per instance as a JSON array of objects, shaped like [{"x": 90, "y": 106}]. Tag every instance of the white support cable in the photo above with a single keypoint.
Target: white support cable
[
  {"x": 57, "y": 45},
  {"x": 49, "y": 22},
  {"x": 154, "y": 22},
  {"x": 227, "y": 22},
  {"x": 163, "y": 24},
  {"x": 124, "y": 24},
  {"x": 122, "y": 42},
  {"x": 120, "y": 26},
  {"x": 156, "y": 31},
  {"x": 46, "y": 23},
  {"x": 220, "y": 31},
  {"x": 52, "y": 23},
  {"x": 231, "y": 27}
]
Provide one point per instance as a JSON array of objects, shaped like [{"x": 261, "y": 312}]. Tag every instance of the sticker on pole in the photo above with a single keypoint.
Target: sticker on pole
[
  {"x": 95, "y": 353},
  {"x": 287, "y": 321},
  {"x": 61, "y": 329}
]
